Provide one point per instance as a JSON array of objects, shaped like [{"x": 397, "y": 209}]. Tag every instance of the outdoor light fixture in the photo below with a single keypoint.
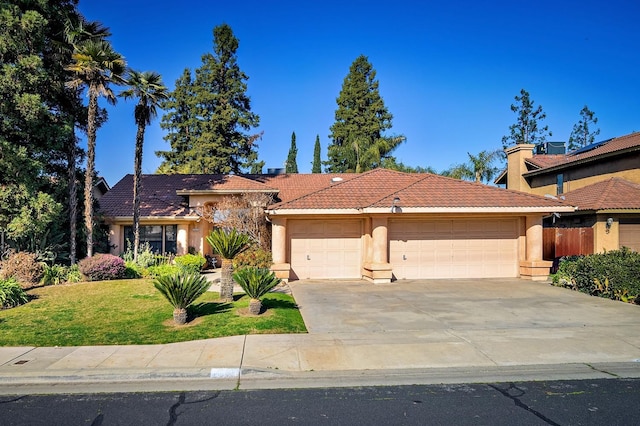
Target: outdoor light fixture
[
  {"x": 394, "y": 208},
  {"x": 608, "y": 224}
]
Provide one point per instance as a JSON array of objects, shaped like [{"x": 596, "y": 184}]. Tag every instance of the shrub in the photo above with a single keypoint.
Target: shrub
[
  {"x": 11, "y": 294},
  {"x": 54, "y": 275},
  {"x": 73, "y": 274},
  {"x": 162, "y": 269},
  {"x": 255, "y": 257},
  {"x": 133, "y": 270},
  {"x": 181, "y": 290},
  {"x": 190, "y": 262},
  {"x": 256, "y": 282},
  {"x": 102, "y": 267},
  {"x": 614, "y": 274},
  {"x": 24, "y": 267}
]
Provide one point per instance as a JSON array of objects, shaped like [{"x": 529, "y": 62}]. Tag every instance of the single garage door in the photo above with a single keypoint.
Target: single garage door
[
  {"x": 325, "y": 248},
  {"x": 630, "y": 236},
  {"x": 454, "y": 248}
]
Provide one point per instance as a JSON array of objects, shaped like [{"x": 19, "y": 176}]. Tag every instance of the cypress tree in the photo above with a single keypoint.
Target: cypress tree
[
  {"x": 292, "y": 164},
  {"x": 316, "y": 165}
]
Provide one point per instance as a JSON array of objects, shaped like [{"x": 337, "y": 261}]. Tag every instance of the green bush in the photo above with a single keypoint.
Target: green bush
[
  {"x": 54, "y": 275},
  {"x": 73, "y": 274},
  {"x": 162, "y": 269},
  {"x": 254, "y": 257},
  {"x": 11, "y": 294},
  {"x": 181, "y": 290},
  {"x": 256, "y": 282},
  {"x": 190, "y": 262},
  {"x": 24, "y": 267},
  {"x": 101, "y": 267},
  {"x": 613, "y": 274}
]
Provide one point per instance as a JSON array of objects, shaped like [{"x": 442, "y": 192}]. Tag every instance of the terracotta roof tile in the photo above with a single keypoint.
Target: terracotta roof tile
[
  {"x": 542, "y": 161},
  {"x": 379, "y": 187},
  {"x": 613, "y": 193}
]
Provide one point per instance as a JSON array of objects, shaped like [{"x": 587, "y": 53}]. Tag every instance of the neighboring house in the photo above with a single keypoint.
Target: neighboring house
[
  {"x": 379, "y": 225},
  {"x": 601, "y": 180}
]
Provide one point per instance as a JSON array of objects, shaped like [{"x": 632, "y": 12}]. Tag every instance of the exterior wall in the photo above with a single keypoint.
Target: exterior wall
[
  {"x": 627, "y": 168},
  {"x": 603, "y": 238}
]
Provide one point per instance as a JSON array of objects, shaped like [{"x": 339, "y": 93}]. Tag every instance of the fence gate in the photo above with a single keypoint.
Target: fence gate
[{"x": 566, "y": 242}]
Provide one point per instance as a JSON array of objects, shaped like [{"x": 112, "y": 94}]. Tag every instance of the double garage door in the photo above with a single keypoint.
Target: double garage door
[
  {"x": 457, "y": 248},
  {"x": 630, "y": 236}
]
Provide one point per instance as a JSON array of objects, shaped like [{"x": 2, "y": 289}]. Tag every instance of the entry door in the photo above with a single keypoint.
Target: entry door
[
  {"x": 453, "y": 248},
  {"x": 323, "y": 249}
]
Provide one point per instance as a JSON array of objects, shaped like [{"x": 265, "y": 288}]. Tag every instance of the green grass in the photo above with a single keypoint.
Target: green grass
[{"x": 130, "y": 312}]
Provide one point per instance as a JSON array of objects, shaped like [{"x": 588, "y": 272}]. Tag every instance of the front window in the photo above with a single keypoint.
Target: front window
[{"x": 161, "y": 238}]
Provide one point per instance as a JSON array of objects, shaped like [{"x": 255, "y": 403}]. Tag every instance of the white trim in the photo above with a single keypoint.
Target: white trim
[
  {"x": 223, "y": 191},
  {"x": 401, "y": 210}
]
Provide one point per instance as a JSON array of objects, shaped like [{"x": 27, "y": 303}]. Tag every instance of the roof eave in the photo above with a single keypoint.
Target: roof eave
[
  {"x": 223, "y": 191},
  {"x": 566, "y": 165}
]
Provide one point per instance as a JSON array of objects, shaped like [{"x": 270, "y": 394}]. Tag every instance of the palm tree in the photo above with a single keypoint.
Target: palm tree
[
  {"x": 256, "y": 282},
  {"x": 95, "y": 65},
  {"x": 481, "y": 165},
  {"x": 228, "y": 244},
  {"x": 148, "y": 88}
]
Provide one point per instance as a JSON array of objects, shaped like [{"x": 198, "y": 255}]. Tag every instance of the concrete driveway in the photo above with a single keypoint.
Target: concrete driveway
[{"x": 506, "y": 321}]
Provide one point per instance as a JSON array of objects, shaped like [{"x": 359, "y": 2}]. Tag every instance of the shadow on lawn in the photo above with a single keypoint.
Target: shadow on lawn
[
  {"x": 278, "y": 304},
  {"x": 208, "y": 308}
]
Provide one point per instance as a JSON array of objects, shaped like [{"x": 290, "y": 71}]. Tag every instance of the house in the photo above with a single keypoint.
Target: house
[
  {"x": 601, "y": 180},
  {"x": 379, "y": 225}
]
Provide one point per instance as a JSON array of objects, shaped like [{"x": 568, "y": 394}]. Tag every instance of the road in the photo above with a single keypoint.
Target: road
[{"x": 578, "y": 402}]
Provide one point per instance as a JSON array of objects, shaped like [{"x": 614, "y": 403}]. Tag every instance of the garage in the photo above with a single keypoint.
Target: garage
[
  {"x": 456, "y": 248},
  {"x": 324, "y": 249},
  {"x": 630, "y": 236}
]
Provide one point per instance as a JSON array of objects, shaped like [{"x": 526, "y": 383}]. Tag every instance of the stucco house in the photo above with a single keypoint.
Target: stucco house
[
  {"x": 380, "y": 225},
  {"x": 602, "y": 180}
]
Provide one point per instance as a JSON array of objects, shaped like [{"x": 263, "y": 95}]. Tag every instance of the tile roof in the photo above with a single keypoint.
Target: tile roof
[
  {"x": 378, "y": 188},
  {"x": 613, "y": 193},
  {"x": 622, "y": 143}
]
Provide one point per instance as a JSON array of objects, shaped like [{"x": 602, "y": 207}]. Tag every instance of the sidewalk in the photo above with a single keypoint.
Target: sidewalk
[{"x": 440, "y": 353}]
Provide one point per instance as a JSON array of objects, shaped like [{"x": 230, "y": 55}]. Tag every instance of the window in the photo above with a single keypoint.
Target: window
[
  {"x": 559, "y": 183},
  {"x": 161, "y": 238}
]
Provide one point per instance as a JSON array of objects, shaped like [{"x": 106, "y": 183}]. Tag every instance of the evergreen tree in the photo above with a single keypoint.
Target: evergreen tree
[
  {"x": 208, "y": 117},
  {"x": 581, "y": 134},
  {"x": 292, "y": 164},
  {"x": 316, "y": 166},
  {"x": 526, "y": 130},
  {"x": 358, "y": 143},
  {"x": 38, "y": 114}
]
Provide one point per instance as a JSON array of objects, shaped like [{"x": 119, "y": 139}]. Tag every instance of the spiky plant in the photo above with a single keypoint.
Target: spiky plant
[
  {"x": 181, "y": 290},
  {"x": 256, "y": 282},
  {"x": 228, "y": 244}
]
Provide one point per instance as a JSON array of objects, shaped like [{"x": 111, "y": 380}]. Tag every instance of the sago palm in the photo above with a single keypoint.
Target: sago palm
[
  {"x": 95, "y": 65},
  {"x": 228, "y": 244},
  {"x": 181, "y": 290},
  {"x": 147, "y": 87},
  {"x": 256, "y": 282}
]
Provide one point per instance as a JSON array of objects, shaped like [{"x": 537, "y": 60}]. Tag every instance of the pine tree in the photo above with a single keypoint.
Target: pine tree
[
  {"x": 358, "y": 143},
  {"x": 316, "y": 166},
  {"x": 581, "y": 134},
  {"x": 208, "y": 117},
  {"x": 292, "y": 164},
  {"x": 526, "y": 130}
]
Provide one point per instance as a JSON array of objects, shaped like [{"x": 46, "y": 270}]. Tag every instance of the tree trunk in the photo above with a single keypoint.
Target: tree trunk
[
  {"x": 73, "y": 197},
  {"x": 137, "y": 175},
  {"x": 91, "y": 159},
  {"x": 255, "y": 306},
  {"x": 180, "y": 316},
  {"x": 226, "y": 281}
]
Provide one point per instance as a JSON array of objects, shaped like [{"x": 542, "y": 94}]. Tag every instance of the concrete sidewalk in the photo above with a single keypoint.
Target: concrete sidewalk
[{"x": 360, "y": 334}]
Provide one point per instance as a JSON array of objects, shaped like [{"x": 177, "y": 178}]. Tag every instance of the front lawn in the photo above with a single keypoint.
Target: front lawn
[{"x": 129, "y": 312}]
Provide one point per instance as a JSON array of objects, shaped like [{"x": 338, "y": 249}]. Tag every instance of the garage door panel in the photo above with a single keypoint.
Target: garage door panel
[
  {"x": 630, "y": 236},
  {"x": 454, "y": 248},
  {"x": 325, "y": 249}
]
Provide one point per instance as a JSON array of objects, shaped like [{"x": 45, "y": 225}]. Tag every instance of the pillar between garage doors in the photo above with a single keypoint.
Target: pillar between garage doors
[
  {"x": 378, "y": 269},
  {"x": 279, "y": 248},
  {"x": 534, "y": 268}
]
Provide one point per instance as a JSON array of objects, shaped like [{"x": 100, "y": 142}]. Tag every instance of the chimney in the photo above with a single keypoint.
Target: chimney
[{"x": 516, "y": 155}]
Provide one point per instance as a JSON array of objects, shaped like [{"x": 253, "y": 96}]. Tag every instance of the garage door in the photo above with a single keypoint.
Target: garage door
[
  {"x": 630, "y": 236},
  {"x": 325, "y": 248},
  {"x": 454, "y": 248}
]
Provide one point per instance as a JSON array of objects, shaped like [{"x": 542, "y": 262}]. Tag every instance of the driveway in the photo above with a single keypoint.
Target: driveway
[{"x": 480, "y": 304}]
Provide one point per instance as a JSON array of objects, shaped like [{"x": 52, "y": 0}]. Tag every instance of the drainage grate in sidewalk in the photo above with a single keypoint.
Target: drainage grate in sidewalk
[{"x": 22, "y": 361}]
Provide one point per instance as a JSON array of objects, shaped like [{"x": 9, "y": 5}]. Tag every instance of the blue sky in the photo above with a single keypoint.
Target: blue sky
[{"x": 448, "y": 71}]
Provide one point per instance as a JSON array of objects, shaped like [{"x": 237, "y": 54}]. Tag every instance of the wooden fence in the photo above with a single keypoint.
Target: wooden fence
[{"x": 566, "y": 242}]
